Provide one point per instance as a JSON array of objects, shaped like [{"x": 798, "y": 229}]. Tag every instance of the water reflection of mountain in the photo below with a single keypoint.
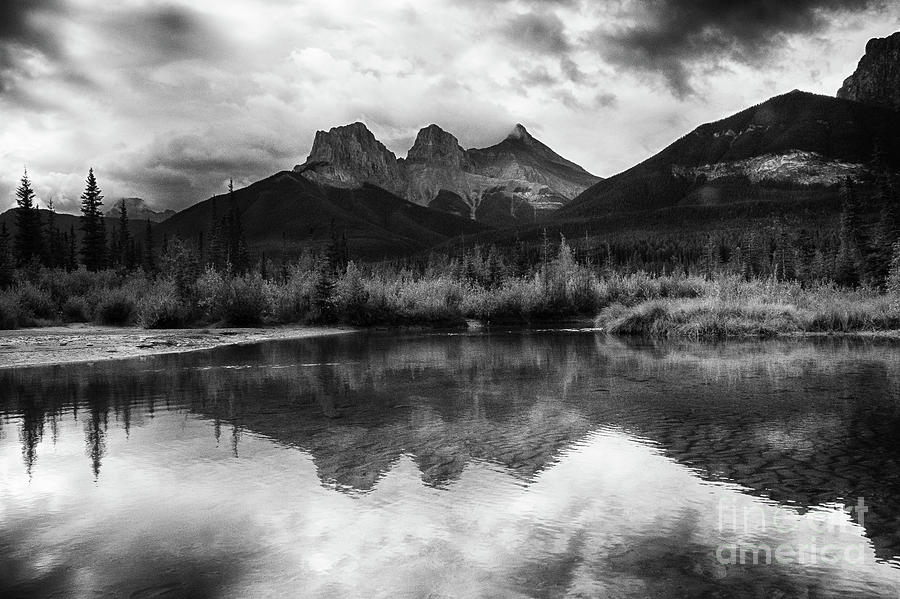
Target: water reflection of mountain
[{"x": 803, "y": 423}]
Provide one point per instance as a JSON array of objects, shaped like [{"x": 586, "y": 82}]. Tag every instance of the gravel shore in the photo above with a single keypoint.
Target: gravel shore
[{"x": 89, "y": 343}]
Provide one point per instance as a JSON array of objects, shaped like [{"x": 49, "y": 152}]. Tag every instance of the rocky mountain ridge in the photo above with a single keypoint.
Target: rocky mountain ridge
[
  {"x": 503, "y": 184},
  {"x": 876, "y": 80}
]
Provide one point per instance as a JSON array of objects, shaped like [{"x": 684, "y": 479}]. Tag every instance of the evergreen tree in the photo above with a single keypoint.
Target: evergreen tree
[
  {"x": 93, "y": 243},
  {"x": 887, "y": 232},
  {"x": 28, "y": 242},
  {"x": 52, "y": 252},
  {"x": 125, "y": 243},
  {"x": 893, "y": 278},
  {"x": 147, "y": 258},
  {"x": 72, "y": 257},
  {"x": 848, "y": 257},
  {"x": 6, "y": 261}
]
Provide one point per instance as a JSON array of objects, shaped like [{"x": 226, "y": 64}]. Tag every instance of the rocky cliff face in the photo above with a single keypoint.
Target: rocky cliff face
[
  {"x": 435, "y": 147},
  {"x": 512, "y": 179},
  {"x": 349, "y": 156},
  {"x": 877, "y": 77}
]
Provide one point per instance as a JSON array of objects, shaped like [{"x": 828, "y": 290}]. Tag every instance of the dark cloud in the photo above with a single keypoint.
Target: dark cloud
[
  {"x": 158, "y": 35},
  {"x": 675, "y": 37},
  {"x": 23, "y": 34},
  {"x": 541, "y": 32}
]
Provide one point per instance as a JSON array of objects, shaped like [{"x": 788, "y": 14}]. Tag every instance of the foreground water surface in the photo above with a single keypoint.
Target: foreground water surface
[{"x": 513, "y": 464}]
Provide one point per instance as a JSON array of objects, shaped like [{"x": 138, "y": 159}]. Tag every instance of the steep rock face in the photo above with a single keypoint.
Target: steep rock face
[
  {"x": 435, "y": 162},
  {"x": 876, "y": 80},
  {"x": 349, "y": 156},
  {"x": 518, "y": 171},
  {"x": 436, "y": 147}
]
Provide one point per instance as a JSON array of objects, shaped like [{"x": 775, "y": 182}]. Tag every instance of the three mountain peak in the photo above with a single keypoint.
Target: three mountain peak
[{"x": 511, "y": 180}]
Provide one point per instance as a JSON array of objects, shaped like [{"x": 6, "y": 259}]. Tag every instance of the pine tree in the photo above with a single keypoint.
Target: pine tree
[
  {"x": 233, "y": 245},
  {"x": 887, "y": 232},
  {"x": 848, "y": 258},
  {"x": 147, "y": 258},
  {"x": 124, "y": 250},
  {"x": 6, "y": 261},
  {"x": 893, "y": 279},
  {"x": 93, "y": 244},
  {"x": 72, "y": 257},
  {"x": 52, "y": 255},
  {"x": 28, "y": 242}
]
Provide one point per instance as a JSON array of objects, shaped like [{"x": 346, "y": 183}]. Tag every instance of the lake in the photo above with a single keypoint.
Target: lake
[{"x": 502, "y": 464}]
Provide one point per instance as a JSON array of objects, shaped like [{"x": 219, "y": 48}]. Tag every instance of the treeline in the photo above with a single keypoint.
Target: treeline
[{"x": 38, "y": 243}]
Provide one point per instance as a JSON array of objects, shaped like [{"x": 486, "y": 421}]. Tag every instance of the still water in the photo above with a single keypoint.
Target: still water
[{"x": 511, "y": 464}]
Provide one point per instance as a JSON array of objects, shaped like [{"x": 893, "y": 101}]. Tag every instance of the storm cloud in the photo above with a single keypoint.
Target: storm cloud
[
  {"x": 678, "y": 38},
  {"x": 169, "y": 99}
]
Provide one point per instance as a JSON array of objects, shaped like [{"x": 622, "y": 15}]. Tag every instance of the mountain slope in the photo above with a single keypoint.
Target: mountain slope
[
  {"x": 507, "y": 182},
  {"x": 286, "y": 212},
  {"x": 793, "y": 140}
]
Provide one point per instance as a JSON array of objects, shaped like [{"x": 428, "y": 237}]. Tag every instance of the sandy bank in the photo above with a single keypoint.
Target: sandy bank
[{"x": 90, "y": 343}]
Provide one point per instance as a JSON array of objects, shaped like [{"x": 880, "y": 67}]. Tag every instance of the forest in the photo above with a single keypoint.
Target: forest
[{"x": 781, "y": 278}]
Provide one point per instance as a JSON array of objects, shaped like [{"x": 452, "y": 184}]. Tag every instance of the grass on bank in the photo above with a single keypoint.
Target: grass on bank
[{"x": 309, "y": 291}]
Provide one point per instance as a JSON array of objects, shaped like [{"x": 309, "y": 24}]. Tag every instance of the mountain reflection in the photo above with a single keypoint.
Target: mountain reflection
[{"x": 801, "y": 423}]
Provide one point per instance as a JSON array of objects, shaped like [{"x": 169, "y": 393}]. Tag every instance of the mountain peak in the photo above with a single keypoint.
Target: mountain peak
[
  {"x": 520, "y": 132},
  {"x": 350, "y": 155},
  {"x": 434, "y": 146}
]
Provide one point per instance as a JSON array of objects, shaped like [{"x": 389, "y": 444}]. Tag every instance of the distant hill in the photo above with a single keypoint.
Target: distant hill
[
  {"x": 509, "y": 182},
  {"x": 70, "y": 222},
  {"x": 793, "y": 141},
  {"x": 137, "y": 209},
  {"x": 286, "y": 212}
]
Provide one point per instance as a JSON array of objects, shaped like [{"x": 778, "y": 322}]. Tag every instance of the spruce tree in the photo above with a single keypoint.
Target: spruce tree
[
  {"x": 893, "y": 278},
  {"x": 124, "y": 249},
  {"x": 72, "y": 254},
  {"x": 848, "y": 257},
  {"x": 93, "y": 243},
  {"x": 6, "y": 261},
  {"x": 28, "y": 242},
  {"x": 887, "y": 232},
  {"x": 147, "y": 258}
]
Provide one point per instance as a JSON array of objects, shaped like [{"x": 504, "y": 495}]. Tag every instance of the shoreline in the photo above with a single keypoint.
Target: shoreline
[
  {"x": 72, "y": 344},
  {"x": 86, "y": 343}
]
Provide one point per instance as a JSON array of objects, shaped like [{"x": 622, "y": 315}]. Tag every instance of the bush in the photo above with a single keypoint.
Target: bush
[
  {"x": 76, "y": 309},
  {"x": 115, "y": 307},
  {"x": 36, "y": 302},
  {"x": 240, "y": 301},
  {"x": 292, "y": 300},
  {"x": 10, "y": 313},
  {"x": 161, "y": 307},
  {"x": 350, "y": 296}
]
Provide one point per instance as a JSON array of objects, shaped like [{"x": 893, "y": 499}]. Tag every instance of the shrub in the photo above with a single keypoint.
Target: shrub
[
  {"x": 115, "y": 307},
  {"x": 36, "y": 302},
  {"x": 76, "y": 308},
  {"x": 350, "y": 296},
  {"x": 237, "y": 301},
  {"x": 10, "y": 312},
  {"x": 292, "y": 300},
  {"x": 161, "y": 307}
]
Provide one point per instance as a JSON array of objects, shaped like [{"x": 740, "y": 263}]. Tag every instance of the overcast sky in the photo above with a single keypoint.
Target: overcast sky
[{"x": 168, "y": 99}]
